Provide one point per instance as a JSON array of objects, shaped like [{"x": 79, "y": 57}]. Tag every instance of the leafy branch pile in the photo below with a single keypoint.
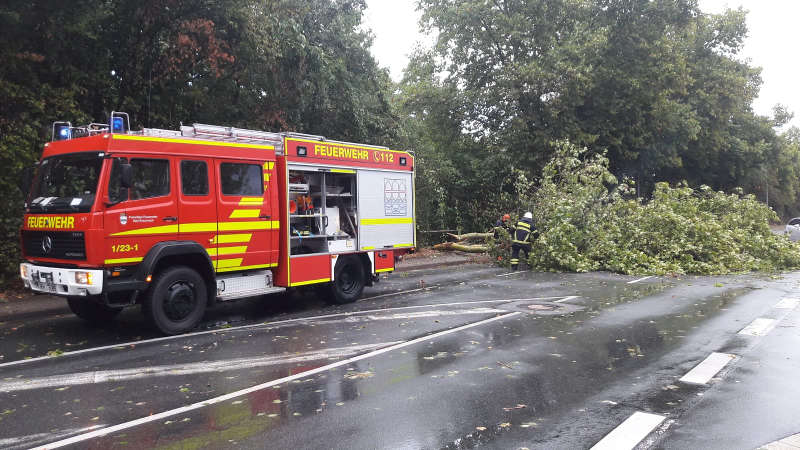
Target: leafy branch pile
[{"x": 588, "y": 220}]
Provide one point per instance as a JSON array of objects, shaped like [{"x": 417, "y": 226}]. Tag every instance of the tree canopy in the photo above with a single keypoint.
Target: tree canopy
[{"x": 656, "y": 85}]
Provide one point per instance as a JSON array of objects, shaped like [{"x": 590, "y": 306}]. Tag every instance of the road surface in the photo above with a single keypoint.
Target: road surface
[{"x": 457, "y": 357}]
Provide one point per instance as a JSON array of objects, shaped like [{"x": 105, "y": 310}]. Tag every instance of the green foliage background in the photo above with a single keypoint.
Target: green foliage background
[{"x": 657, "y": 86}]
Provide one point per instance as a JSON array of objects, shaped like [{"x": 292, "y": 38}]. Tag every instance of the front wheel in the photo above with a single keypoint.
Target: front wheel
[
  {"x": 91, "y": 310},
  {"x": 348, "y": 280},
  {"x": 176, "y": 301}
]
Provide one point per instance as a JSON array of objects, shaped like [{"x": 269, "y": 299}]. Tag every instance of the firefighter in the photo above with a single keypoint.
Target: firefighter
[
  {"x": 520, "y": 239},
  {"x": 501, "y": 223}
]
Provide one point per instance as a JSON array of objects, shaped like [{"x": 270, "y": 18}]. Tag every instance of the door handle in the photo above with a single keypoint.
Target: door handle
[
  {"x": 264, "y": 217},
  {"x": 170, "y": 219}
]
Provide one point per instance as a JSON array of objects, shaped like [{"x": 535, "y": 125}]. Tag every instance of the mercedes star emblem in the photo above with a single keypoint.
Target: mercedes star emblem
[{"x": 47, "y": 244}]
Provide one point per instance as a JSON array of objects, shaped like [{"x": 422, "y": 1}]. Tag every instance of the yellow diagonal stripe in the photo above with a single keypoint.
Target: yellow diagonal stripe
[
  {"x": 164, "y": 229},
  {"x": 247, "y": 201},
  {"x": 302, "y": 283},
  {"x": 257, "y": 266},
  {"x": 205, "y": 227},
  {"x": 198, "y": 227},
  {"x": 223, "y": 263},
  {"x": 232, "y": 238},
  {"x": 246, "y": 226},
  {"x": 392, "y": 221},
  {"x": 221, "y": 251},
  {"x": 244, "y": 214},
  {"x": 123, "y": 260}
]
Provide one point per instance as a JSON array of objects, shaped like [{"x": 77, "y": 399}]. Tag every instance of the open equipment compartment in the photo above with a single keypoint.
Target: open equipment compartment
[{"x": 323, "y": 215}]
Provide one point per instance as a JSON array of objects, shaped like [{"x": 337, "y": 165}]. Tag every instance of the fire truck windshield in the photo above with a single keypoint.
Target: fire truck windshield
[{"x": 66, "y": 183}]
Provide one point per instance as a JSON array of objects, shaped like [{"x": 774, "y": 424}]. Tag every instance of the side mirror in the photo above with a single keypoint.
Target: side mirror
[
  {"x": 126, "y": 175},
  {"x": 25, "y": 181}
]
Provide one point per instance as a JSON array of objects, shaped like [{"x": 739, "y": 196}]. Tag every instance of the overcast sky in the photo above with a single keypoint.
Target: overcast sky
[{"x": 772, "y": 25}]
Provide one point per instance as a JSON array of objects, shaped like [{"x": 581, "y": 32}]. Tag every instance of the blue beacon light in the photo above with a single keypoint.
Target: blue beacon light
[
  {"x": 118, "y": 125},
  {"x": 63, "y": 133}
]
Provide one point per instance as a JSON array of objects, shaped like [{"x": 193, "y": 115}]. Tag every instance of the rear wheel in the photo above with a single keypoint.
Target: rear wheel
[
  {"x": 348, "y": 280},
  {"x": 176, "y": 301},
  {"x": 91, "y": 310}
]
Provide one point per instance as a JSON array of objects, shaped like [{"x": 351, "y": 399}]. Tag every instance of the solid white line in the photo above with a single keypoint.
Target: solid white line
[
  {"x": 262, "y": 325},
  {"x": 397, "y": 293},
  {"x": 787, "y": 303},
  {"x": 759, "y": 327},
  {"x": 152, "y": 418},
  {"x": 135, "y": 373},
  {"x": 517, "y": 272},
  {"x": 565, "y": 299},
  {"x": 706, "y": 370},
  {"x": 630, "y": 432},
  {"x": 37, "y": 438},
  {"x": 640, "y": 279}
]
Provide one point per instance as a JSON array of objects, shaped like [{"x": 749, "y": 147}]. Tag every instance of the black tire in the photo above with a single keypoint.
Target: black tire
[
  {"x": 176, "y": 301},
  {"x": 91, "y": 310},
  {"x": 348, "y": 280}
]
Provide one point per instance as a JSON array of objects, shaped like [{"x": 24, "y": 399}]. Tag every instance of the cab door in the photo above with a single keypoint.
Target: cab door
[
  {"x": 198, "y": 203},
  {"x": 247, "y": 233},
  {"x": 139, "y": 217}
]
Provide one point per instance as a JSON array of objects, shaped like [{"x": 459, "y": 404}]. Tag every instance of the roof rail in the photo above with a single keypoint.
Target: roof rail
[{"x": 231, "y": 134}]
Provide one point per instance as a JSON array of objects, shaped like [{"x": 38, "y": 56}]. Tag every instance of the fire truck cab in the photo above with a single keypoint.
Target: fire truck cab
[{"x": 178, "y": 220}]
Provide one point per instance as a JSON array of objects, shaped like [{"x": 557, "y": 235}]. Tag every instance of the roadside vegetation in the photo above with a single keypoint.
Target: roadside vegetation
[
  {"x": 589, "y": 220},
  {"x": 655, "y": 89}
]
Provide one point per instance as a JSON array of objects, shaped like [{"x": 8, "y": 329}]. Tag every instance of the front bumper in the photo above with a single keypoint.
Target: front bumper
[{"x": 57, "y": 281}]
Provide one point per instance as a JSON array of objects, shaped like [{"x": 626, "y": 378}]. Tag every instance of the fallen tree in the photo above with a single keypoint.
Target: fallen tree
[
  {"x": 588, "y": 220},
  {"x": 462, "y": 247}
]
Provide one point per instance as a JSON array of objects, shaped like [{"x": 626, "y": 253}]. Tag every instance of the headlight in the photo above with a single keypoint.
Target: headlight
[
  {"x": 83, "y": 277},
  {"x": 23, "y": 271}
]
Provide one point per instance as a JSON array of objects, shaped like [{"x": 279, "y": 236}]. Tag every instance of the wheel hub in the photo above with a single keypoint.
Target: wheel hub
[{"x": 180, "y": 301}]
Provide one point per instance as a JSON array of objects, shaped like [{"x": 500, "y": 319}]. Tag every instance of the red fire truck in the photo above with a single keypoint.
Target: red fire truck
[{"x": 178, "y": 220}]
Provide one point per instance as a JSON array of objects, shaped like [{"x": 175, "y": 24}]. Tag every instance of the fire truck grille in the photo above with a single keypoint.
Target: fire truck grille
[{"x": 54, "y": 244}]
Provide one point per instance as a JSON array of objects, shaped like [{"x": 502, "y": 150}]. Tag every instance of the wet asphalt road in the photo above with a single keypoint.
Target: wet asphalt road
[{"x": 456, "y": 357}]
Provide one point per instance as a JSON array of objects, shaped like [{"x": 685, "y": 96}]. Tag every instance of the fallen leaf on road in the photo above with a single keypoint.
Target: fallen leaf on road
[
  {"x": 506, "y": 365},
  {"x": 359, "y": 375}
]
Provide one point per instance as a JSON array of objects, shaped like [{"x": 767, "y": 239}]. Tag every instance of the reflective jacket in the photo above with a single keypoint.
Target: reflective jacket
[{"x": 522, "y": 231}]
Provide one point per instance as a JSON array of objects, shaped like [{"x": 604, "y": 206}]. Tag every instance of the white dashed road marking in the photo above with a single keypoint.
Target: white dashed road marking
[
  {"x": 565, "y": 299},
  {"x": 212, "y": 401},
  {"x": 787, "y": 303},
  {"x": 759, "y": 327},
  {"x": 630, "y": 432},
  {"x": 706, "y": 370}
]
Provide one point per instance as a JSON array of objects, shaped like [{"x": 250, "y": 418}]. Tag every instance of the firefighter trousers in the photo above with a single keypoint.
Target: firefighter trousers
[{"x": 515, "y": 249}]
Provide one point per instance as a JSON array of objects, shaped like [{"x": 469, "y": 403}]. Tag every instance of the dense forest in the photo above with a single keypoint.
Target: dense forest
[{"x": 657, "y": 86}]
